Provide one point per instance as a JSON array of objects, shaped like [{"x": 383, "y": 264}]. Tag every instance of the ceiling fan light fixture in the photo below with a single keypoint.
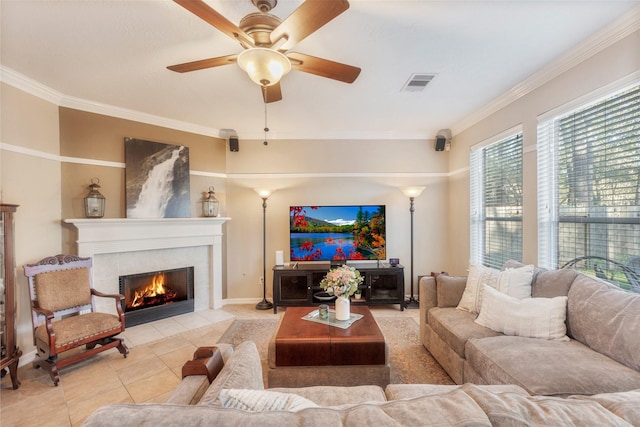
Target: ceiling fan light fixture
[{"x": 263, "y": 65}]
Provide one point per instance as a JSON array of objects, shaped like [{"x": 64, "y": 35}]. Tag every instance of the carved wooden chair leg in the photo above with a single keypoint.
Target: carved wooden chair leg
[
  {"x": 122, "y": 348},
  {"x": 50, "y": 365}
]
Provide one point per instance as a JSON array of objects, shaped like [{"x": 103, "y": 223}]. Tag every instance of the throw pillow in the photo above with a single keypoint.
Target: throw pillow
[
  {"x": 263, "y": 400},
  {"x": 529, "y": 317},
  {"x": 478, "y": 275},
  {"x": 449, "y": 289},
  {"x": 516, "y": 282}
]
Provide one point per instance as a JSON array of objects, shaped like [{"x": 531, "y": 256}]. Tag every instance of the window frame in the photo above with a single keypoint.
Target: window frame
[
  {"x": 479, "y": 219},
  {"x": 550, "y": 219}
]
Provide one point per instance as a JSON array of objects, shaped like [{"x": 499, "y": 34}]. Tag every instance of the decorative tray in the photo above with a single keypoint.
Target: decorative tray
[{"x": 314, "y": 316}]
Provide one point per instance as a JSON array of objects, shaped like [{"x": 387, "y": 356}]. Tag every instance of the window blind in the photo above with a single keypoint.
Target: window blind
[
  {"x": 589, "y": 182},
  {"x": 496, "y": 202}
]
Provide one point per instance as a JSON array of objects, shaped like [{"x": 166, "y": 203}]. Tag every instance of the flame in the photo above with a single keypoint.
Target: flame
[{"x": 153, "y": 289}]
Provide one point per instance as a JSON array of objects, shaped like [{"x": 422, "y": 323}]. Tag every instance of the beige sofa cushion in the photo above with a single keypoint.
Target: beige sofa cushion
[
  {"x": 553, "y": 283},
  {"x": 513, "y": 409},
  {"x": 410, "y": 391},
  {"x": 455, "y": 327},
  {"x": 547, "y": 283},
  {"x": 605, "y": 319},
  {"x": 626, "y": 404},
  {"x": 449, "y": 289},
  {"x": 452, "y": 408},
  {"x": 548, "y": 367}
]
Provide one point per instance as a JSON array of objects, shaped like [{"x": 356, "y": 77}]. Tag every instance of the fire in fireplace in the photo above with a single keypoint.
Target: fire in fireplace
[{"x": 157, "y": 295}]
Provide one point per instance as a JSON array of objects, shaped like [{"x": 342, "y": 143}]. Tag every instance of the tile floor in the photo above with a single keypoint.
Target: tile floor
[{"x": 144, "y": 376}]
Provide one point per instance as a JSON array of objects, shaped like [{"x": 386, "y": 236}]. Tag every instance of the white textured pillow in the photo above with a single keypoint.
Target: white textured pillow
[
  {"x": 528, "y": 317},
  {"x": 263, "y": 400},
  {"x": 478, "y": 275},
  {"x": 516, "y": 282}
]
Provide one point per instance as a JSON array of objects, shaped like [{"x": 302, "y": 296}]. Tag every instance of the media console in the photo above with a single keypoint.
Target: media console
[{"x": 300, "y": 285}]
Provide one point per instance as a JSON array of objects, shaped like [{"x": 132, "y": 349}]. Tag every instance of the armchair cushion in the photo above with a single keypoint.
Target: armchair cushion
[{"x": 80, "y": 328}]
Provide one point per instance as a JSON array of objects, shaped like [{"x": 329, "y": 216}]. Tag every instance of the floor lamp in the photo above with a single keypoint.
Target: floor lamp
[
  {"x": 412, "y": 193},
  {"x": 264, "y": 304}
]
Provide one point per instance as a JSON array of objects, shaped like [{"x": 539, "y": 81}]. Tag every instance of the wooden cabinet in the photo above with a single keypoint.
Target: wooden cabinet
[
  {"x": 300, "y": 286},
  {"x": 9, "y": 351}
]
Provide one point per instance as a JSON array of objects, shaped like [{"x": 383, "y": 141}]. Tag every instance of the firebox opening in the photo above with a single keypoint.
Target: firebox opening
[{"x": 157, "y": 295}]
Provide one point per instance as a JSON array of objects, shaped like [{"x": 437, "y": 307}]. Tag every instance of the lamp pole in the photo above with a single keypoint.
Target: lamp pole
[
  {"x": 412, "y": 193},
  {"x": 264, "y": 304}
]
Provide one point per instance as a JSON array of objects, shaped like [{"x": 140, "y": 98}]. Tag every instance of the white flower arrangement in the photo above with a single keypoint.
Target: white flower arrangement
[{"x": 342, "y": 281}]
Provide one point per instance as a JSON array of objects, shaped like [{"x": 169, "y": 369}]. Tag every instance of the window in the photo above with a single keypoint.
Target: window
[
  {"x": 589, "y": 185},
  {"x": 496, "y": 201}
]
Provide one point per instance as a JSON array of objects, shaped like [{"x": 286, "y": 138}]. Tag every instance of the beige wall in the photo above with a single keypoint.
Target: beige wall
[
  {"x": 31, "y": 180},
  {"x": 604, "y": 68},
  {"x": 326, "y": 172}
]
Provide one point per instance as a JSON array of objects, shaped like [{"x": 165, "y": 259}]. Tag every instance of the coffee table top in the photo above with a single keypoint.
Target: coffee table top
[{"x": 304, "y": 343}]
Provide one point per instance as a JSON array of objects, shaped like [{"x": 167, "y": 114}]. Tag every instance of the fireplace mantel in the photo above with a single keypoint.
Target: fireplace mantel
[{"x": 118, "y": 235}]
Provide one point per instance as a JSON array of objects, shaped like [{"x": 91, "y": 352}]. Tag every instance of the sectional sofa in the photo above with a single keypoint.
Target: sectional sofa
[
  {"x": 598, "y": 351},
  {"x": 236, "y": 396}
]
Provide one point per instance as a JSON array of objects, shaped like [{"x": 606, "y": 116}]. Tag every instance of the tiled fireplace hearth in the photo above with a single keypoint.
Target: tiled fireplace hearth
[{"x": 121, "y": 247}]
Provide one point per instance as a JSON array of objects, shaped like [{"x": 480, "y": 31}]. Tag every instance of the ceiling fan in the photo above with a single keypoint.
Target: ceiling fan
[{"x": 267, "y": 40}]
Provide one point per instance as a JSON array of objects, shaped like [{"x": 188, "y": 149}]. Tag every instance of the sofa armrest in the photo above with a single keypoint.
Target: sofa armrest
[
  {"x": 190, "y": 390},
  {"x": 428, "y": 295},
  {"x": 197, "y": 377},
  {"x": 428, "y": 299},
  {"x": 440, "y": 291}
]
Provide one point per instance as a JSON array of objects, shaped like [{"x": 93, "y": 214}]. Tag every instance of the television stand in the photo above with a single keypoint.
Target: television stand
[{"x": 299, "y": 285}]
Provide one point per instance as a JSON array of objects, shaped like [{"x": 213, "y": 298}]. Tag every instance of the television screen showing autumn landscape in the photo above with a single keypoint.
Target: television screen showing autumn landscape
[{"x": 337, "y": 233}]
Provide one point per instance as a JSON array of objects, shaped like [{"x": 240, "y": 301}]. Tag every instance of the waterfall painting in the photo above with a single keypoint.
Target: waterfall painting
[{"x": 156, "y": 179}]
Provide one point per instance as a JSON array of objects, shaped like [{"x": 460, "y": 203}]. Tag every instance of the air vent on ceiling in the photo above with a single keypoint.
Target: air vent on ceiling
[{"x": 417, "y": 82}]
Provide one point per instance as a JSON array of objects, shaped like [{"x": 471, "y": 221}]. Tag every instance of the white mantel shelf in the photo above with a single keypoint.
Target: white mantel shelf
[
  {"x": 112, "y": 235},
  {"x": 117, "y": 235}
]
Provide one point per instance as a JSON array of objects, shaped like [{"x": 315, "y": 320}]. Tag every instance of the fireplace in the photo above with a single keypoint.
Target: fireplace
[{"x": 156, "y": 295}]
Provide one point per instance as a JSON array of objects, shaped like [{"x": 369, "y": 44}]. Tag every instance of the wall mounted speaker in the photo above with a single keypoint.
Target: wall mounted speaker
[
  {"x": 443, "y": 140},
  {"x": 234, "y": 144}
]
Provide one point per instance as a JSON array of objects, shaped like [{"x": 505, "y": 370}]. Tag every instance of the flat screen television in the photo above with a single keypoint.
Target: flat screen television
[{"x": 337, "y": 233}]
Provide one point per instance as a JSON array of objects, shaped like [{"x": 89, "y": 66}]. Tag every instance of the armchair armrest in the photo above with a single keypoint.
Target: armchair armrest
[
  {"x": 48, "y": 323},
  {"x": 118, "y": 297},
  {"x": 41, "y": 311}
]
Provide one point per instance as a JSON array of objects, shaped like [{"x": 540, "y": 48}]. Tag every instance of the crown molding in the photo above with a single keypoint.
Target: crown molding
[
  {"x": 611, "y": 34},
  {"x": 39, "y": 90}
]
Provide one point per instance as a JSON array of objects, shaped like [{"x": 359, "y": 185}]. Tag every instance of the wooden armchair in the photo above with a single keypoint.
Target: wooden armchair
[{"x": 64, "y": 314}]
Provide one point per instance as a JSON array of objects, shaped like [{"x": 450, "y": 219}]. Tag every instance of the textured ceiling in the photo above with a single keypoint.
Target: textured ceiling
[{"x": 113, "y": 54}]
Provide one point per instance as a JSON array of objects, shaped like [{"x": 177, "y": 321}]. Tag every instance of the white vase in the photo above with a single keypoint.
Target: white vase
[{"x": 343, "y": 308}]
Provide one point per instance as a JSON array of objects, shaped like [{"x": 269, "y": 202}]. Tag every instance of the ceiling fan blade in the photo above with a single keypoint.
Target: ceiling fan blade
[
  {"x": 272, "y": 93},
  {"x": 323, "y": 67},
  {"x": 305, "y": 20},
  {"x": 204, "y": 63},
  {"x": 209, "y": 15}
]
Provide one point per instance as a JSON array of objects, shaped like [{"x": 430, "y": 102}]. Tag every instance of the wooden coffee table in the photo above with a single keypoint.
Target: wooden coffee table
[{"x": 305, "y": 353}]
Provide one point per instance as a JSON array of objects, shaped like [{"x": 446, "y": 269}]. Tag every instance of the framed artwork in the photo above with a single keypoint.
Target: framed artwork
[{"x": 156, "y": 179}]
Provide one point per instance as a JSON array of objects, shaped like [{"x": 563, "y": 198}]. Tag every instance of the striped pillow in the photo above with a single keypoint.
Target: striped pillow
[
  {"x": 529, "y": 317},
  {"x": 263, "y": 400}
]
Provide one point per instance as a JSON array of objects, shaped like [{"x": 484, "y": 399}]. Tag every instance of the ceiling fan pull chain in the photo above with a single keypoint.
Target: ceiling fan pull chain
[{"x": 266, "y": 127}]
